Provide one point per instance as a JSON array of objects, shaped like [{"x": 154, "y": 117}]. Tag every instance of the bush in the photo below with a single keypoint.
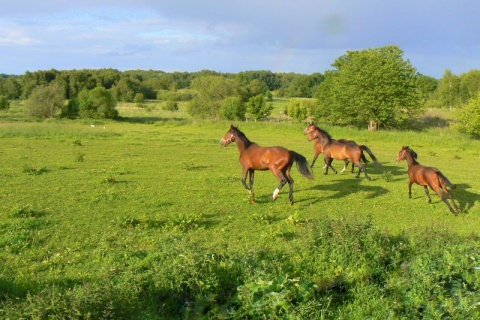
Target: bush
[
  {"x": 4, "y": 103},
  {"x": 45, "y": 101},
  {"x": 468, "y": 120},
  {"x": 170, "y": 106}
]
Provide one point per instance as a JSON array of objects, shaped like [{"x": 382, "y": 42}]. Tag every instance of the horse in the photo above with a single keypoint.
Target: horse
[
  {"x": 346, "y": 150},
  {"x": 278, "y": 160},
  {"x": 426, "y": 177}
]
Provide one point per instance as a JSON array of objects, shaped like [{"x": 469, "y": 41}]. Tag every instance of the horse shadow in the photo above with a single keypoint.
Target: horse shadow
[
  {"x": 345, "y": 187},
  {"x": 465, "y": 199}
]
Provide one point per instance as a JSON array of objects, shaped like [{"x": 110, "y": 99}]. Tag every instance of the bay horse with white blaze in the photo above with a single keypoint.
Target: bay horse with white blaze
[
  {"x": 342, "y": 149},
  {"x": 278, "y": 160},
  {"x": 426, "y": 177}
]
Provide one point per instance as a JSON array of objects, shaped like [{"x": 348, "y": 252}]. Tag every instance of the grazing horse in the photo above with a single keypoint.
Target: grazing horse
[
  {"x": 346, "y": 150},
  {"x": 426, "y": 177},
  {"x": 278, "y": 160}
]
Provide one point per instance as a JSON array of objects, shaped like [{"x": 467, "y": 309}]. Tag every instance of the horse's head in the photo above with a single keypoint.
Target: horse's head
[
  {"x": 402, "y": 155},
  {"x": 311, "y": 127},
  {"x": 229, "y": 136},
  {"x": 313, "y": 135}
]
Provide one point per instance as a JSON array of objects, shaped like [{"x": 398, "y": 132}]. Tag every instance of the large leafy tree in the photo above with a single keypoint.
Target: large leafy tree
[
  {"x": 45, "y": 101},
  {"x": 211, "y": 91},
  {"x": 374, "y": 84},
  {"x": 97, "y": 103},
  {"x": 449, "y": 89}
]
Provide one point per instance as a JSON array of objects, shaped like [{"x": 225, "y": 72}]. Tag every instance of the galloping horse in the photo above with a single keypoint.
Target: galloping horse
[
  {"x": 426, "y": 177},
  {"x": 346, "y": 150},
  {"x": 279, "y": 160}
]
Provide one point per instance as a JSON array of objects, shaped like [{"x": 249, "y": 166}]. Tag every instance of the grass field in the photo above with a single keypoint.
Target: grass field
[{"x": 147, "y": 218}]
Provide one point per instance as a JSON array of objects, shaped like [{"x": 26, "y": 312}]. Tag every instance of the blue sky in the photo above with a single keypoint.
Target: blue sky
[{"x": 303, "y": 36}]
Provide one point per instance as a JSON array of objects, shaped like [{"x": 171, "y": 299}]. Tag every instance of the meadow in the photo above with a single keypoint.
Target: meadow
[{"x": 146, "y": 218}]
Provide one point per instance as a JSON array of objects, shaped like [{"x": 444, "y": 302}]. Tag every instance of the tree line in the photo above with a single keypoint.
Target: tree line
[{"x": 368, "y": 85}]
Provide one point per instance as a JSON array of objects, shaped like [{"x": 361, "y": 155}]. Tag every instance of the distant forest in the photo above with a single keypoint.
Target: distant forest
[{"x": 369, "y": 85}]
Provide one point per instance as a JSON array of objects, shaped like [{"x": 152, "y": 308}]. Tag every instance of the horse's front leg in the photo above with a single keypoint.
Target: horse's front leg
[
  {"x": 410, "y": 189},
  {"x": 250, "y": 173},
  {"x": 314, "y": 159}
]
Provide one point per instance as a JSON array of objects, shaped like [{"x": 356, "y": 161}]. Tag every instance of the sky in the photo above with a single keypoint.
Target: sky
[{"x": 301, "y": 36}]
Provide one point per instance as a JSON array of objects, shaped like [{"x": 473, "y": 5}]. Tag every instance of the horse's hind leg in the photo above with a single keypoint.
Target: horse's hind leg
[
  {"x": 428, "y": 194},
  {"x": 345, "y": 165},
  {"x": 453, "y": 201},
  {"x": 283, "y": 181}
]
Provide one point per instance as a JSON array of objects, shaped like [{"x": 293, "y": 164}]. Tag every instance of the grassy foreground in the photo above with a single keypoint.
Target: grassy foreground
[{"x": 147, "y": 219}]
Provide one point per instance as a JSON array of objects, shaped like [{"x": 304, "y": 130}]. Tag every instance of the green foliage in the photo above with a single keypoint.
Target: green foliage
[
  {"x": 10, "y": 88},
  {"x": 211, "y": 91},
  {"x": 139, "y": 98},
  {"x": 170, "y": 106},
  {"x": 175, "y": 238},
  {"x": 258, "y": 108},
  {"x": 232, "y": 108},
  {"x": 468, "y": 118},
  {"x": 449, "y": 90},
  {"x": 45, "y": 101},
  {"x": 4, "y": 103},
  {"x": 97, "y": 103},
  {"x": 70, "y": 110},
  {"x": 375, "y": 84},
  {"x": 299, "y": 109}
]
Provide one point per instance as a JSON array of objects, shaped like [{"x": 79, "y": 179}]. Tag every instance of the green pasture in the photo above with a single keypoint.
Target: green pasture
[{"x": 146, "y": 217}]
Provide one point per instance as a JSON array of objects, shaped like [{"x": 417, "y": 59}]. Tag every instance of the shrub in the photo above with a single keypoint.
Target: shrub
[{"x": 4, "y": 103}]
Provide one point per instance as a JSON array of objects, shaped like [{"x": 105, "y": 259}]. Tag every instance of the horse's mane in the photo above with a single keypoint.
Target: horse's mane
[
  {"x": 412, "y": 152},
  {"x": 240, "y": 134},
  {"x": 324, "y": 133}
]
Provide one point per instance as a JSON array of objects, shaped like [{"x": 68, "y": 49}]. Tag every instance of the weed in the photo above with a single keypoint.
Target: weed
[
  {"x": 24, "y": 212},
  {"x": 185, "y": 222},
  {"x": 126, "y": 222},
  {"x": 387, "y": 175},
  {"x": 80, "y": 157},
  {"x": 264, "y": 216},
  {"x": 110, "y": 179},
  {"x": 34, "y": 171}
]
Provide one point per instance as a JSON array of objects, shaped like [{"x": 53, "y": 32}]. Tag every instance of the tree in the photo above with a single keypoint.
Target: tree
[
  {"x": 10, "y": 88},
  {"x": 374, "y": 84},
  {"x": 449, "y": 89},
  {"x": 469, "y": 85},
  {"x": 299, "y": 109},
  {"x": 4, "y": 103},
  {"x": 468, "y": 119},
  {"x": 97, "y": 103},
  {"x": 426, "y": 86},
  {"x": 258, "y": 108},
  {"x": 211, "y": 91},
  {"x": 232, "y": 108},
  {"x": 45, "y": 101}
]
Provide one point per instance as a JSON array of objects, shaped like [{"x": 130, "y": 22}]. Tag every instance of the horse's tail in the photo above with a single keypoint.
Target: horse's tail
[
  {"x": 370, "y": 153},
  {"x": 445, "y": 180},
  {"x": 302, "y": 164},
  {"x": 364, "y": 159}
]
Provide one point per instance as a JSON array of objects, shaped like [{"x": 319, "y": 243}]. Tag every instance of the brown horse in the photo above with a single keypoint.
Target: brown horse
[
  {"x": 426, "y": 177},
  {"x": 346, "y": 150},
  {"x": 279, "y": 160}
]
